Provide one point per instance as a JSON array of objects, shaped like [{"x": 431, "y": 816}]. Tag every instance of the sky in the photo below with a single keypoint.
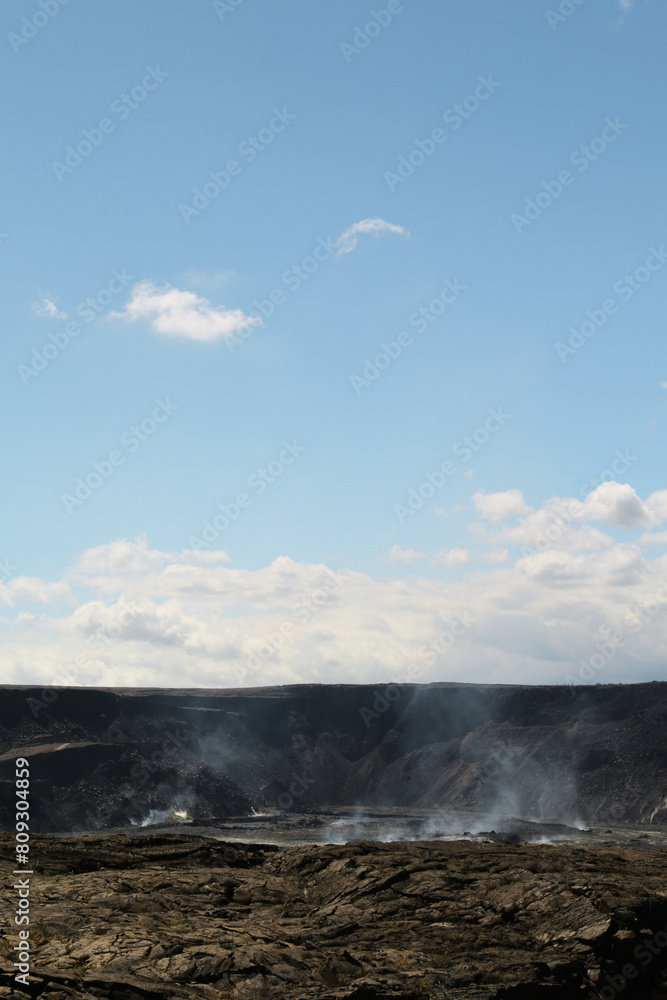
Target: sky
[{"x": 333, "y": 342}]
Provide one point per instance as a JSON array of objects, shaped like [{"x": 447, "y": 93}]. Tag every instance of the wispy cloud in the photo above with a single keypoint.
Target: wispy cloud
[
  {"x": 348, "y": 240},
  {"x": 176, "y": 313},
  {"x": 450, "y": 557},
  {"x": 443, "y": 512},
  {"x": 47, "y": 309},
  {"x": 31, "y": 590},
  {"x": 397, "y": 554},
  {"x": 496, "y": 557}
]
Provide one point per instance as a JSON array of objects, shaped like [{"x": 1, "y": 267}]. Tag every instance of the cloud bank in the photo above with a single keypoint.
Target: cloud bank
[{"x": 558, "y": 591}]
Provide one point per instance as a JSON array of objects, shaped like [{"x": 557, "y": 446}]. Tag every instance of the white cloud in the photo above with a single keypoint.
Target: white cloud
[
  {"x": 176, "y": 313},
  {"x": 656, "y": 504},
  {"x": 24, "y": 618},
  {"x": 397, "y": 554},
  {"x": 108, "y": 567},
  {"x": 565, "y": 523},
  {"x": 32, "y": 590},
  {"x": 656, "y": 539},
  {"x": 210, "y": 625},
  {"x": 617, "y": 504},
  {"x": 499, "y": 506},
  {"x": 496, "y": 557},
  {"x": 443, "y": 512},
  {"x": 451, "y": 557},
  {"x": 626, "y": 4},
  {"x": 148, "y": 618},
  {"x": 348, "y": 240},
  {"x": 198, "y": 621},
  {"x": 621, "y": 566},
  {"x": 47, "y": 309}
]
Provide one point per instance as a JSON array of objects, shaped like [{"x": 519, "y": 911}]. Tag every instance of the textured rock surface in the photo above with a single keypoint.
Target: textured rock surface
[
  {"x": 105, "y": 759},
  {"x": 174, "y": 916}
]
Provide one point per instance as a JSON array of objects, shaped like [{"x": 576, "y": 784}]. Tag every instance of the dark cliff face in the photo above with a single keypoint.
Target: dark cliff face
[{"x": 102, "y": 758}]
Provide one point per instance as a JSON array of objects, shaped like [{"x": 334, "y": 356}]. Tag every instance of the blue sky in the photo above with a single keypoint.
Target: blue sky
[{"x": 502, "y": 172}]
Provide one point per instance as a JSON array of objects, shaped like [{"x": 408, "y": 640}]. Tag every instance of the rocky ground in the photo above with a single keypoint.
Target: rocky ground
[{"x": 141, "y": 917}]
